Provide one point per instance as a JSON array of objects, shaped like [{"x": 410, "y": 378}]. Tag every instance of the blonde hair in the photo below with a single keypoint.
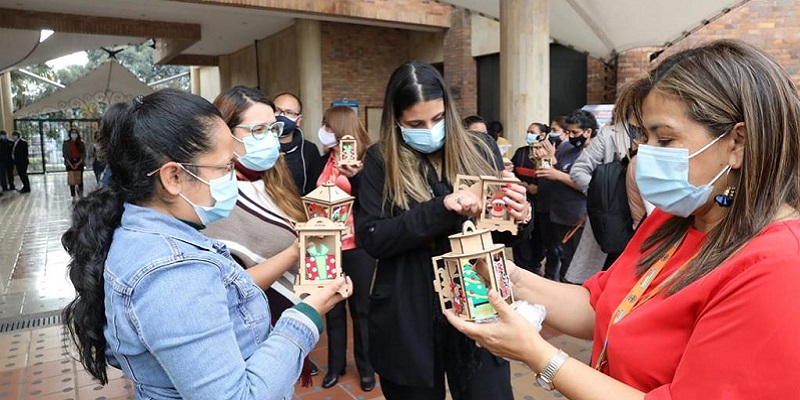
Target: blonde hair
[
  {"x": 464, "y": 153},
  {"x": 721, "y": 84},
  {"x": 343, "y": 121}
]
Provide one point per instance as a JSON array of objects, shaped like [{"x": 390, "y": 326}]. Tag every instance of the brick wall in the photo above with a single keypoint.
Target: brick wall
[
  {"x": 357, "y": 61},
  {"x": 460, "y": 68},
  {"x": 772, "y": 25},
  {"x": 601, "y": 82}
]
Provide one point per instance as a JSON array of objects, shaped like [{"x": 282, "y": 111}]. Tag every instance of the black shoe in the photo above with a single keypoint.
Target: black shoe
[
  {"x": 331, "y": 379},
  {"x": 367, "y": 383},
  {"x": 25, "y": 190},
  {"x": 314, "y": 368}
]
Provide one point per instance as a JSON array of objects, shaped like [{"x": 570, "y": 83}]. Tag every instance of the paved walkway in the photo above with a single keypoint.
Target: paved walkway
[{"x": 34, "y": 287}]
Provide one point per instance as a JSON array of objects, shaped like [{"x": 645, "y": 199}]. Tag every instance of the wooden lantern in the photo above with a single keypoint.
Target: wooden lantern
[
  {"x": 320, "y": 255},
  {"x": 328, "y": 201},
  {"x": 539, "y": 162},
  {"x": 348, "y": 151},
  {"x": 494, "y": 211},
  {"x": 464, "y": 275}
]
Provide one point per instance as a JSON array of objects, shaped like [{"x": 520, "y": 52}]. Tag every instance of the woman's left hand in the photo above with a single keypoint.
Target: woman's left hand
[
  {"x": 349, "y": 170},
  {"x": 516, "y": 200},
  {"x": 511, "y": 336}
]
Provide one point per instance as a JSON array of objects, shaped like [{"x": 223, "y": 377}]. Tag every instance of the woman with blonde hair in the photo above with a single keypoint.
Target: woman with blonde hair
[
  {"x": 407, "y": 207},
  {"x": 338, "y": 122},
  {"x": 260, "y": 229},
  {"x": 702, "y": 304}
]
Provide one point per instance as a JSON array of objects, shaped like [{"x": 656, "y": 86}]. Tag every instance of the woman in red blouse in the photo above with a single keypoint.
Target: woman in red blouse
[
  {"x": 338, "y": 122},
  {"x": 702, "y": 304}
]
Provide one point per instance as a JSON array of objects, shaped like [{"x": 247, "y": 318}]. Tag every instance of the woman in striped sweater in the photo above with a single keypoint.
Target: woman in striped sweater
[{"x": 260, "y": 230}]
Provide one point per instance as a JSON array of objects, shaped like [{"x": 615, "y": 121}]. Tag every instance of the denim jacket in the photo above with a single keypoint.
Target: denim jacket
[{"x": 184, "y": 321}]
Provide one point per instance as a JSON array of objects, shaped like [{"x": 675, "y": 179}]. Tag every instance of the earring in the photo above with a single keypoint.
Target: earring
[{"x": 726, "y": 198}]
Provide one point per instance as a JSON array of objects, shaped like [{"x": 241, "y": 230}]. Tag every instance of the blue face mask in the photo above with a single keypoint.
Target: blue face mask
[
  {"x": 224, "y": 191},
  {"x": 531, "y": 138},
  {"x": 425, "y": 140},
  {"x": 73, "y": 136},
  {"x": 289, "y": 125},
  {"x": 662, "y": 175},
  {"x": 260, "y": 154}
]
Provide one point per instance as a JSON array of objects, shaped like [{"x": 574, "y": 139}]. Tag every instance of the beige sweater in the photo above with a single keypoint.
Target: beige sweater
[{"x": 256, "y": 230}]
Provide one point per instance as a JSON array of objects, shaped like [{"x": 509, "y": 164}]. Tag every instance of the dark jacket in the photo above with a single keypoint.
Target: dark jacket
[
  {"x": 405, "y": 316},
  {"x": 74, "y": 161},
  {"x": 20, "y": 152},
  {"x": 5, "y": 152},
  {"x": 304, "y": 162}
]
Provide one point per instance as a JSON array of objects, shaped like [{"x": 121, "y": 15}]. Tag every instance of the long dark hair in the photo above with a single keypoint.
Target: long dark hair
[{"x": 137, "y": 137}]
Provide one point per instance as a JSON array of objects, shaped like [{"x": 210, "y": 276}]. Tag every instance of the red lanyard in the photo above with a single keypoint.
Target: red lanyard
[{"x": 634, "y": 298}]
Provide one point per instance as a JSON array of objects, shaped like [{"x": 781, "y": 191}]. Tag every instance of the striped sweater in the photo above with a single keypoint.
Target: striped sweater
[{"x": 256, "y": 230}]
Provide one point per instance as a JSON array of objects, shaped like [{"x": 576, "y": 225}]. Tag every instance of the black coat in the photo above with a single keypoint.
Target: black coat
[
  {"x": 5, "y": 152},
  {"x": 404, "y": 310},
  {"x": 20, "y": 152},
  {"x": 304, "y": 162}
]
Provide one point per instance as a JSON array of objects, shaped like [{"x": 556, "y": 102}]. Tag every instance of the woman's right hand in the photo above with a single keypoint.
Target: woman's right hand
[
  {"x": 464, "y": 202},
  {"x": 326, "y": 298}
]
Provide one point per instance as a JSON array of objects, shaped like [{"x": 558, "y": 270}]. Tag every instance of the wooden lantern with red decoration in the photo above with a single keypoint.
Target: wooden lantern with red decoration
[
  {"x": 320, "y": 255},
  {"x": 328, "y": 201},
  {"x": 464, "y": 275},
  {"x": 348, "y": 151},
  {"x": 494, "y": 210}
]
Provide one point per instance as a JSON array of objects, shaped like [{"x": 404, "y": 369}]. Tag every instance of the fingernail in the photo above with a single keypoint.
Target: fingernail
[
  {"x": 508, "y": 185},
  {"x": 507, "y": 199}
]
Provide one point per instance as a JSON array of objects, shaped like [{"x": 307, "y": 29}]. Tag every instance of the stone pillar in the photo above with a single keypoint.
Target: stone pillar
[
  {"x": 309, "y": 70},
  {"x": 460, "y": 68},
  {"x": 6, "y": 103},
  {"x": 524, "y": 66},
  {"x": 194, "y": 74}
]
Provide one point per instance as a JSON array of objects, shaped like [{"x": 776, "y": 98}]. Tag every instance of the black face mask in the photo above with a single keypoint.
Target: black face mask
[
  {"x": 577, "y": 141},
  {"x": 556, "y": 141}
]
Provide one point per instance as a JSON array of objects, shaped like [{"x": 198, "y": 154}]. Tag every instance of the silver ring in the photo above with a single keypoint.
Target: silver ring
[{"x": 458, "y": 199}]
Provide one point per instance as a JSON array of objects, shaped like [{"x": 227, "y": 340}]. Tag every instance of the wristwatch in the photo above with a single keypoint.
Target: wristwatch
[{"x": 545, "y": 378}]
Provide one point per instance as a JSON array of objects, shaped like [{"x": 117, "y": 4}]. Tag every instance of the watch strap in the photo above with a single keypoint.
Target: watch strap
[{"x": 545, "y": 378}]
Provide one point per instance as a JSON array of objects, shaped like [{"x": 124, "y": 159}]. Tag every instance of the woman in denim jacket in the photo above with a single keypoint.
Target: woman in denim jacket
[{"x": 158, "y": 299}]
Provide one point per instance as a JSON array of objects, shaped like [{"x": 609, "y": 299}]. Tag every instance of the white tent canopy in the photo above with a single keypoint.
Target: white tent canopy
[
  {"x": 602, "y": 27},
  {"x": 109, "y": 83}
]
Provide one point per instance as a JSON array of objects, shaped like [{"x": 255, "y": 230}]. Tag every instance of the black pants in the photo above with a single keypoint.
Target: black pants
[
  {"x": 357, "y": 264},
  {"x": 552, "y": 246},
  {"x": 568, "y": 248},
  {"x": 491, "y": 381},
  {"x": 22, "y": 171},
  {"x": 4, "y": 178},
  {"x": 8, "y": 176}
]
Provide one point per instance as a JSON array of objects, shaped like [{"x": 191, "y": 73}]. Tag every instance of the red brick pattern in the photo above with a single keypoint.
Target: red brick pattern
[
  {"x": 773, "y": 25},
  {"x": 601, "y": 82},
  {"x": 357, "y": 61},
  {"x": 460, "y": 68}
]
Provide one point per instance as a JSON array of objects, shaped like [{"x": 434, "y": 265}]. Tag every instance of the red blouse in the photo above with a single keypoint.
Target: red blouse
[{"x": 733, "y": 334}]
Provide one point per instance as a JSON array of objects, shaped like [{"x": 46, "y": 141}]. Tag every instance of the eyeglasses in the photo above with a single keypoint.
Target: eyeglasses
[
  {"x": 288, "y": 113},
  {"x": 260, "y": 131},
  {"x": 230, "y": 170}
]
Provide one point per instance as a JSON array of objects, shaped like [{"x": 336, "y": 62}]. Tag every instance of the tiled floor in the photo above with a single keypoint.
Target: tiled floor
[{"x": 33, "y": 282}]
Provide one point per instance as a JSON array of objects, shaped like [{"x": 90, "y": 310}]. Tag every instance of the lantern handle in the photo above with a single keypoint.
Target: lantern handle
[{"x": 468, "y": 227}]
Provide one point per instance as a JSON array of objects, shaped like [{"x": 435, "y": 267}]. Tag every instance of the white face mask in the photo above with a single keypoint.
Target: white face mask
[
  {"x": 327, "y": 139},
  {"x": 662, "y": 175}
]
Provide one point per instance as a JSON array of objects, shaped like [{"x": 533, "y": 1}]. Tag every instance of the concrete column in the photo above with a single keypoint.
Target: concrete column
[
  {"x": 524, "y": 66},
  {"x": 194, "y": 74},
  {"x": 6, "y": 103},
  {"x": 309, "y": 70}
]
